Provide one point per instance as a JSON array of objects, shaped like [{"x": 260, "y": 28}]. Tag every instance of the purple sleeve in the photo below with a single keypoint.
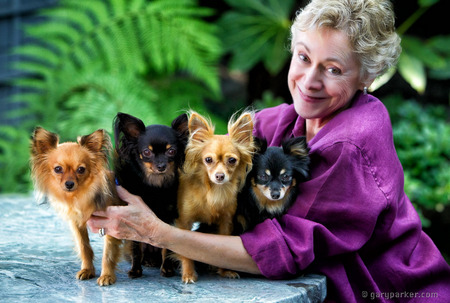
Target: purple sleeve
[
  {"x": 273, "y": 123},
  {"x": 335, "y": 213}
]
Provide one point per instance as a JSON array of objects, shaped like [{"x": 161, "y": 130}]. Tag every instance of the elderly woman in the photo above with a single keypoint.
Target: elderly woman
[{"x": 352, "y": 220}]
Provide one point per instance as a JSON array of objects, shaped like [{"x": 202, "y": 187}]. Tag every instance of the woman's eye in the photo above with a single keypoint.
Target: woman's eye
[
  {"x": 208, "y": 160},
  {"x": 58, "y": 169},
  {"x": 303, "y": 57},
  {"x": 146, "y": 153},
  {"x": 81, "y": 170},
  {"x": 334, "y": 71}
]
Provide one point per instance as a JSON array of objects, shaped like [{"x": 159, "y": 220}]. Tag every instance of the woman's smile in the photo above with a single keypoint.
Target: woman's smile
[{"x": 310, "y": 98}]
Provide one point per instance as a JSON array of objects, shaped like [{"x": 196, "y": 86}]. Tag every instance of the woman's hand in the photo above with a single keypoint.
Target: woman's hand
[{"x": 136, "y": 221}]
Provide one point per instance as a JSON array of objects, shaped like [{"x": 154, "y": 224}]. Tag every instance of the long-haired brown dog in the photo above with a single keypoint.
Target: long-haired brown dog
[
  {"x": 214, "y": 171},
  {"x": 77, "y": 182}
]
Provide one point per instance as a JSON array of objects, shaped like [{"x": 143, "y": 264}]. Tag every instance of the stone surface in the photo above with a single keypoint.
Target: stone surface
[{"x": 38, "y": 264}]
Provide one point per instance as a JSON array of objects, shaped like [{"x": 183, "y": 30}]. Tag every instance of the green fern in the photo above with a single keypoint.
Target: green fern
[
  {"x": 92, "y": 59},
  {"x": 257, "y": 30},
  {"x": 113, "y": 50}
]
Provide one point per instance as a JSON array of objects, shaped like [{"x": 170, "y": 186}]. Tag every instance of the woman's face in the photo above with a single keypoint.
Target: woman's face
[{"x": 324, "y": 73}]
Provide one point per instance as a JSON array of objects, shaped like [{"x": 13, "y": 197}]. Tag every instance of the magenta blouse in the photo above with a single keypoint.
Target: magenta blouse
[{"x": 352, "y": 221}]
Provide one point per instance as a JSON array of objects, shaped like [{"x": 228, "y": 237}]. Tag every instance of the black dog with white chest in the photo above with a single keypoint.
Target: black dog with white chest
[
  {"x": 147, "y": 159},
  {"x": 271, "y": 185}
]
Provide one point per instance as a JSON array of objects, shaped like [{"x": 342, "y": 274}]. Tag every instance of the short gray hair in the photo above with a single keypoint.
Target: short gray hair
[{"x": 369, "y": 24}]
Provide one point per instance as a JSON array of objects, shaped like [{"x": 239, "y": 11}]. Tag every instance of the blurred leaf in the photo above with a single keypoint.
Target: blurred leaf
[
  {"x": 383, "y": 79},
  {"x": 426, "y": 3},
  {"x": 413, "y": 71},
  {"x": 442, "y": 73},
  {"x": 257, "y": 31},
  {"x": 440, "y": 44},
  {"x": 415, "y": 47}
]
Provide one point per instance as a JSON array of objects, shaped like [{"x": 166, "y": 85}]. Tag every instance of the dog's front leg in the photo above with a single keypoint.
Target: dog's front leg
[
  {"x": 167, "y": 265},
  {"x": 111, "y": 254},
  {"x": 226, "y": 228},
  {"x": 84, "y": 250},
  {"x": 188, "y": 273},
  {"x": 136, "y": 260}
]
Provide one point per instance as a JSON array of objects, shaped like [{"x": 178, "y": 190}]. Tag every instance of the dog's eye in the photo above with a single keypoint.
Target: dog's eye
[
  {"x": 146, "y": 153},
  {"x": 232, "y": 161},
  {"x": 286, "y": 178},
  {"x": 81, "y": 170},
  {"x": 171, "y": 152},
  {"x": 208, "y": 160},
  {"x": 58, "y": 169},
  {"x": 263, "y": 177}
]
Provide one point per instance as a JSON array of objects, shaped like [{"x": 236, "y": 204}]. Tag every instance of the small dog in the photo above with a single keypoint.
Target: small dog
[
  {"x": 271, "y": 186},
  {"x": 76, "y": 179},
  {"x": 213, "y": 173},
  {"x": 147, "y": 160}
]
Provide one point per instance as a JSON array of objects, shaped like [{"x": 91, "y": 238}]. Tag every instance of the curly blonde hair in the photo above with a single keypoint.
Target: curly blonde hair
[{"x": 369, "y": 24}]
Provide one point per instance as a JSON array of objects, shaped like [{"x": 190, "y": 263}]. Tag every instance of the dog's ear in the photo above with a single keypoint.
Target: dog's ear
[
  {"x": 181, "y": 126},
  {"x": 298, "y": 150},
  {"x": 129, "y": 125},
  {"x": 295, "y": 146},
  {"x": 260, "y": 144},
  {"x": 241, "y": 130},
  {"x": 98, "y": 141},
  {"x": 42, "y": 141},
  {"x": 200, "y": 128}
]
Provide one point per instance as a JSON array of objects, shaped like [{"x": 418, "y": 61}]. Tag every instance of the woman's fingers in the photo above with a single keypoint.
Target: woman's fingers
[
  {"x": 96, "y": 222},
  {"x": 125, "y": 194}
]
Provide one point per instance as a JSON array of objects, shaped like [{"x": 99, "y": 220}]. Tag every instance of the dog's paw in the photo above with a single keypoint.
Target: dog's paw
[
  {"x": 85, "y": 274},
  {"x": 167, "y": 272},
  {"x": 228, "y": 274},
  {"x": 106, "y": 280},
  {"x": 189, "y": 278},
  {"x": 135, "y": 273}
]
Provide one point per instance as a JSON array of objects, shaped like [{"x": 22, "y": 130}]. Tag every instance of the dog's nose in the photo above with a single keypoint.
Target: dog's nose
[
  {"x": 161, "y": 167},
  {"x": 220, "y": 177},
  {"x": 69, "y": 184},
  {"x": 275, "y": 195}
]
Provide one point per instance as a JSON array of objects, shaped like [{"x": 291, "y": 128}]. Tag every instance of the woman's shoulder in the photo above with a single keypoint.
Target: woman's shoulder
[
  {"x": 274, "y": 123},
  {"x": 365, "y": 124}
]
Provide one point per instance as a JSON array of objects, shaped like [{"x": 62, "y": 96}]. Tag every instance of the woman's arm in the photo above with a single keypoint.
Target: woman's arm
[{"x": 138, "y": 223}]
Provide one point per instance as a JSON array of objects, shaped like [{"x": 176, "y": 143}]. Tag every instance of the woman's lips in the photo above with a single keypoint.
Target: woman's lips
[{"x": 308, "y": 98}]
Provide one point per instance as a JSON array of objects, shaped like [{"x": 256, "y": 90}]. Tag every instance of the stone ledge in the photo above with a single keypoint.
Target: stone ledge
[{"x": 38, "y": 264}]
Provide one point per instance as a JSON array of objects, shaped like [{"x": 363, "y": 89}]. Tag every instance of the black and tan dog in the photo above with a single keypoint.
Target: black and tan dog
[
  {"x": 271, "y": 186},
  {"x": 147, "y": 159}
]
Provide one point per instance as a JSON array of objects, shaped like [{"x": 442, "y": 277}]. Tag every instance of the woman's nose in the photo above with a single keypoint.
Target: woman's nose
[{"x": 312, "y": 79}]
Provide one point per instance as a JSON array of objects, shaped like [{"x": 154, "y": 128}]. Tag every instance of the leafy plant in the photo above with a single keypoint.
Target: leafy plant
[
  {"x": 255, "y": 31},
  {"x": 420, "y": 58},
  {"x": 267, "y": 100},
  {"x": 92, "y": 59},
  {"x": 420, "y": 135}
]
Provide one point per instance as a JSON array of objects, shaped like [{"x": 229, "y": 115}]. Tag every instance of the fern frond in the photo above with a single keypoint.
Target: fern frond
[
  {"x": 257, "y": 31},
  {"x": 90, "y": 59}
]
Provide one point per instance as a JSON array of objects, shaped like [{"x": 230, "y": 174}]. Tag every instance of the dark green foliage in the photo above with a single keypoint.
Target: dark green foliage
[
  {"x": 257, "y": 30},
  {"x": 95, "y": 58},
  {"x": 421, "y": 136},
  {"x": 92, "y": 59}
]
